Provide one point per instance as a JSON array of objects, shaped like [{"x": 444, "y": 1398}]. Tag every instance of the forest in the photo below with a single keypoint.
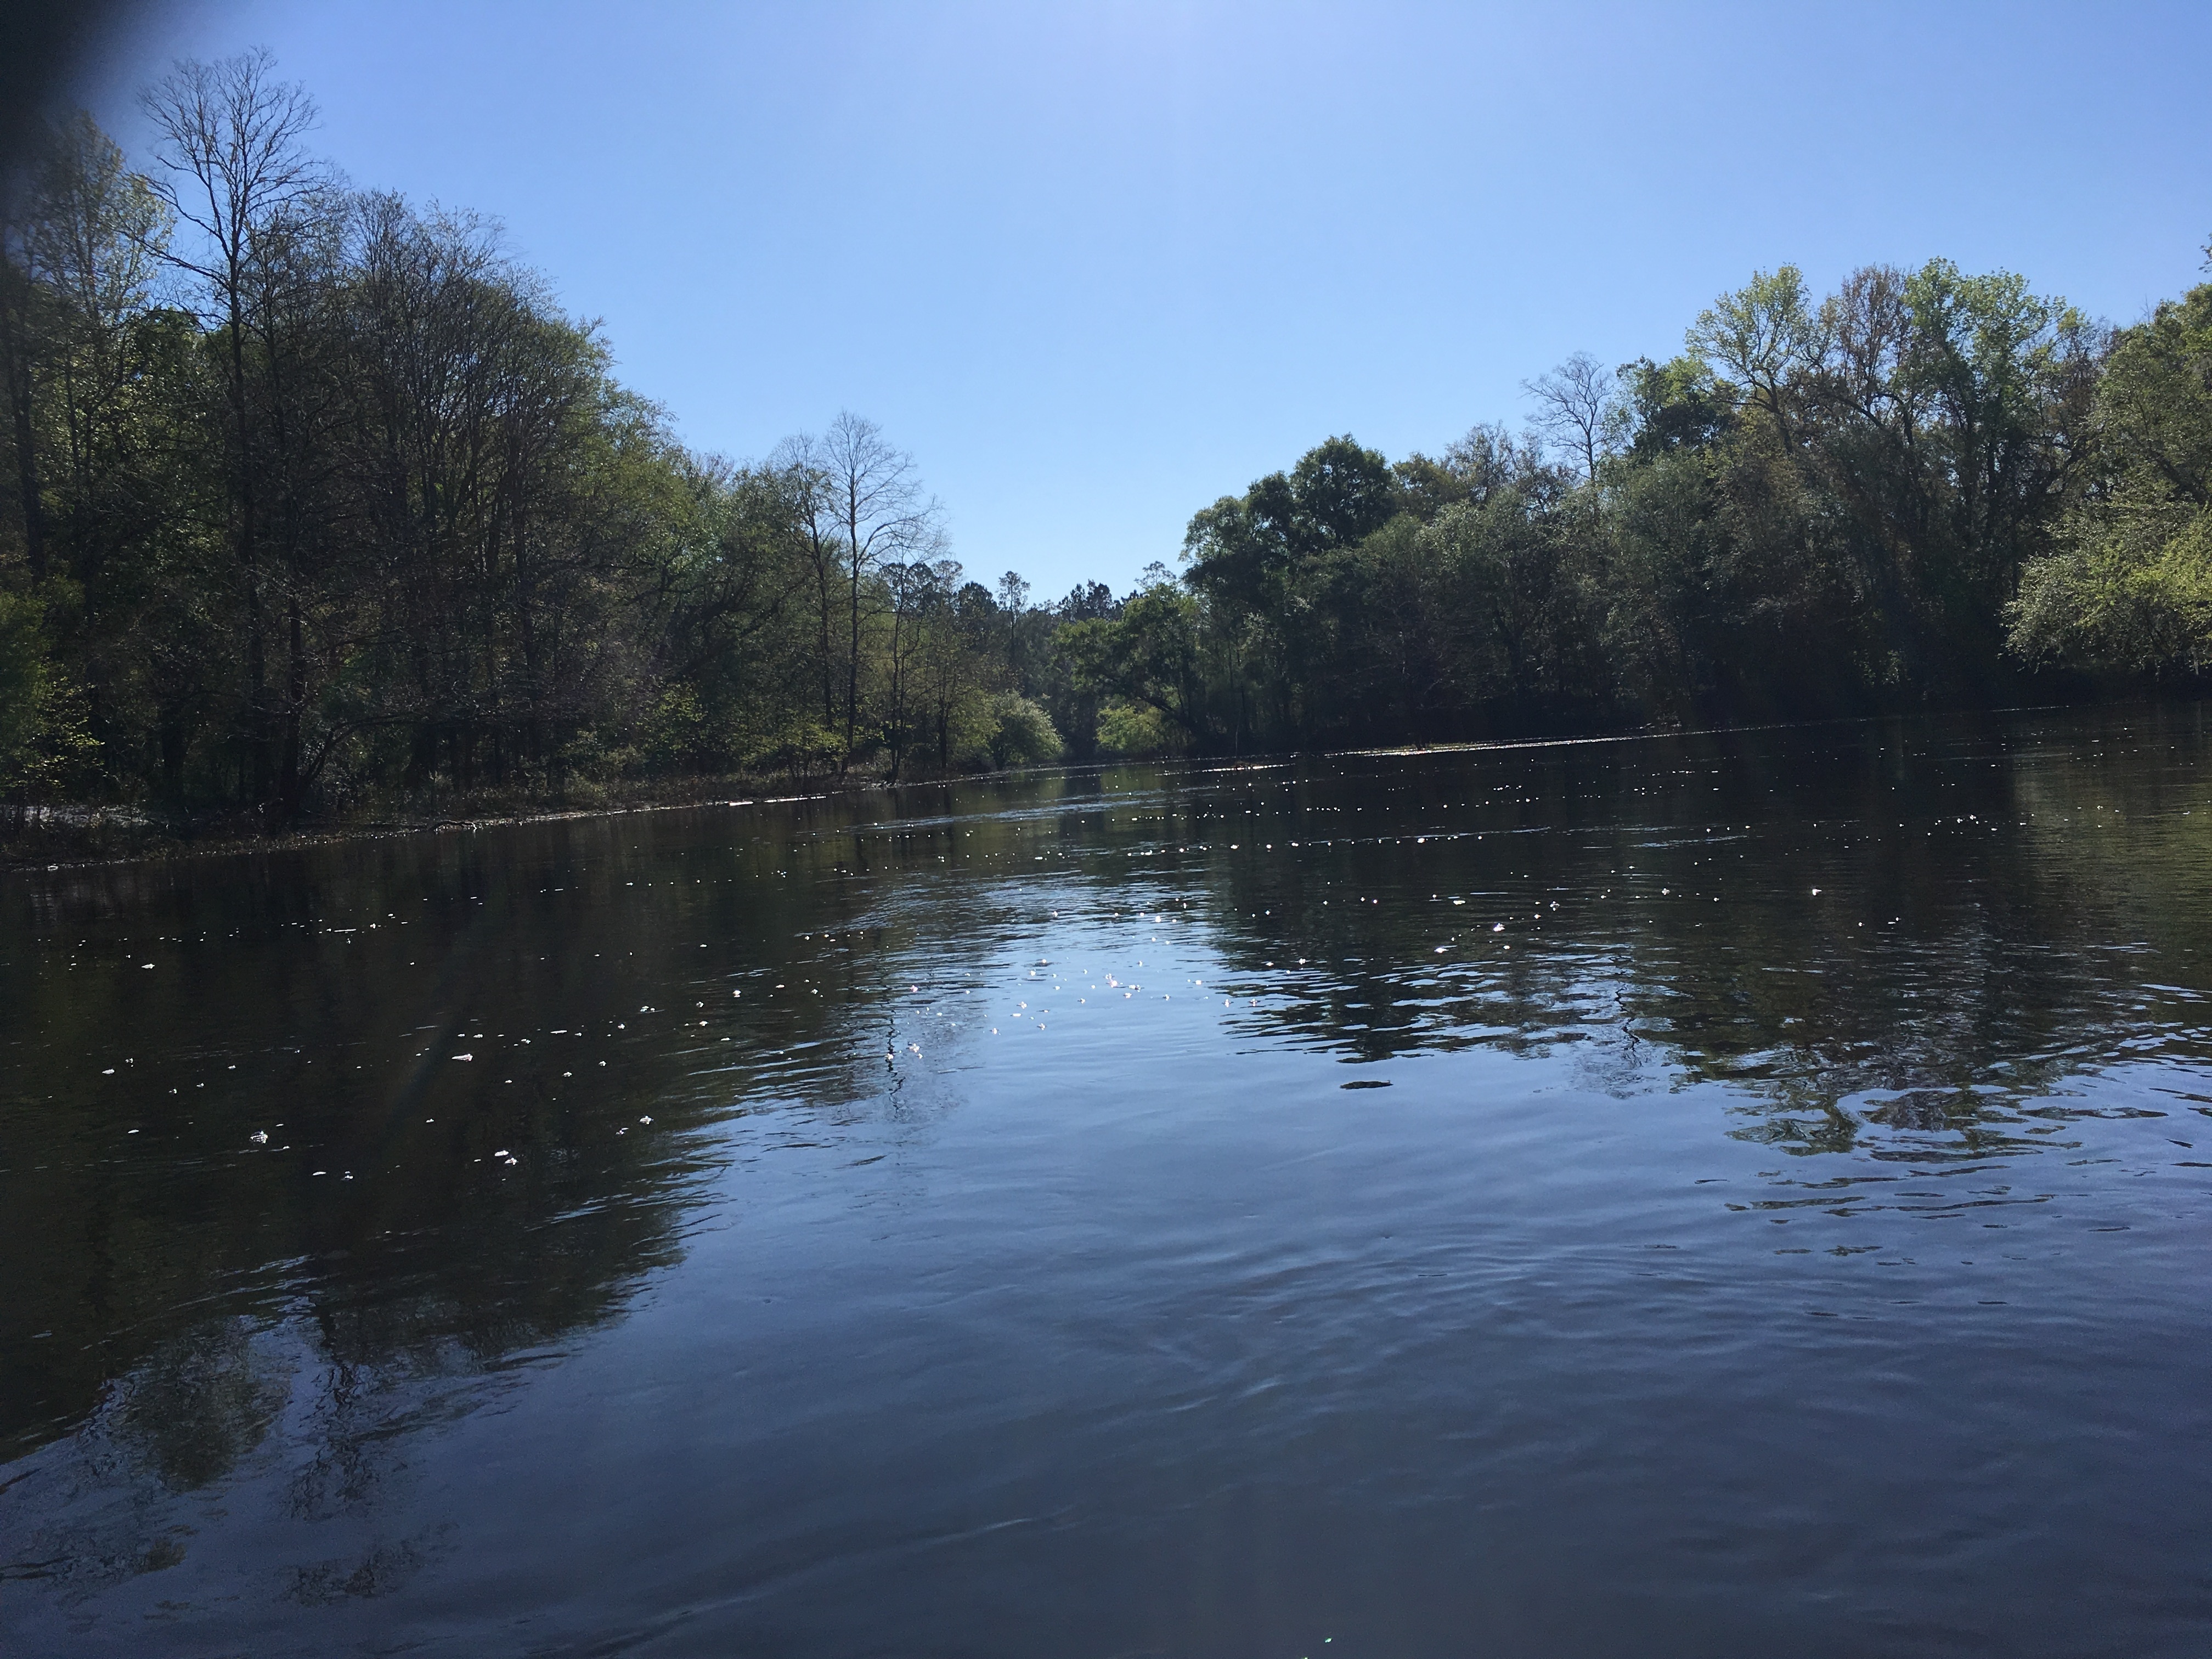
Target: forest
[{"x": 319, "y": 505}]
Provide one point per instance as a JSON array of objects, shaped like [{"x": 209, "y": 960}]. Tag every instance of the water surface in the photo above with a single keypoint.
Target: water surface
[{"x": 1730, "y": 1193}]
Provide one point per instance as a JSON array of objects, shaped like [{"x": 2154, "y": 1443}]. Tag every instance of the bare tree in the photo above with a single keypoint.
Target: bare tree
[
  {"x": 233, "y": 165},
  {"x": 1578, "y": 408},
  {"x": 881, "y": 517}
]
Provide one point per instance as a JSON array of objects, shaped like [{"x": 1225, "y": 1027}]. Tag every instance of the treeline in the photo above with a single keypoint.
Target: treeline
[
  {"x": 321, "y": 502},
  {"x": 1926, "y": 490}
]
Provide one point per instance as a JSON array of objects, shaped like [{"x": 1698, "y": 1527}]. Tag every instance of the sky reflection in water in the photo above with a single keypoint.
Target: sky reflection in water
[{"x": 966, "y": 1220}]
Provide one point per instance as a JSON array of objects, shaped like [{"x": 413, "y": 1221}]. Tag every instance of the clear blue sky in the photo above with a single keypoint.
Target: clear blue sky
[{"x": 1097, "y": 264}]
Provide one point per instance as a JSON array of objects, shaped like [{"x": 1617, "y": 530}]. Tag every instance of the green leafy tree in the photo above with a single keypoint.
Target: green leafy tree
[
  {"x": 45, "y": 740},
  {"x": 2129, "y": 588}
]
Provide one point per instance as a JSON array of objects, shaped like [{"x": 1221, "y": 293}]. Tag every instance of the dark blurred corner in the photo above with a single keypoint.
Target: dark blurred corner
[{"x": 42, "y": 43}]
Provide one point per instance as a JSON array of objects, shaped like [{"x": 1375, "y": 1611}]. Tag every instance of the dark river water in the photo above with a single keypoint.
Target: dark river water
[{"x": 1730, "y": 1195}]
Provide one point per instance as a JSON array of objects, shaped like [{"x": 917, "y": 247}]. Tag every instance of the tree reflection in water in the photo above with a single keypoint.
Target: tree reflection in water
[{"x": 1896, "y": 951}]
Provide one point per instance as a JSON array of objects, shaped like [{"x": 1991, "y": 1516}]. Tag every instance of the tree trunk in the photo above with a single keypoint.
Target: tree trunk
[
  {"x": 295, "y": 699},
  {"x": 27, "y": 454},
  {"x": 257, "y": 672}
]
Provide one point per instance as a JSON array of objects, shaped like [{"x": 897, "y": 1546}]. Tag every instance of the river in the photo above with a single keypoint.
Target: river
[{"x": 1718, "y": 1194}]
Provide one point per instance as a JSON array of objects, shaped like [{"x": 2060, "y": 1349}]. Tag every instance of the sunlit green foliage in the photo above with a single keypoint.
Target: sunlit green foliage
[
  {"x": 45, "y": 741},
  {"x": 1824, "y": 505},
  {"x": 2129, "y": 588}
]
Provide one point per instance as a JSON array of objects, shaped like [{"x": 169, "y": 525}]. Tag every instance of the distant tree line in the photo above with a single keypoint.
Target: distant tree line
[
  {"x": 320, "y": 501},
  {"x": 1927, "y": 488}
]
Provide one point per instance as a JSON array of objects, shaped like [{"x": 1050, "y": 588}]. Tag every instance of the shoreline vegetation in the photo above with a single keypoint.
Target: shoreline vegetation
[
  {"x": 320, "y": 514},
  {"x": 71, "y": 836},
  {"x": 74, "y": 836}
]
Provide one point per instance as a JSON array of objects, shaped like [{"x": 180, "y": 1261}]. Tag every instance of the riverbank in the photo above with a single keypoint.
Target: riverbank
[
  {"x": 60, "y": 835},
  {"x": 74, "y": 834}
]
